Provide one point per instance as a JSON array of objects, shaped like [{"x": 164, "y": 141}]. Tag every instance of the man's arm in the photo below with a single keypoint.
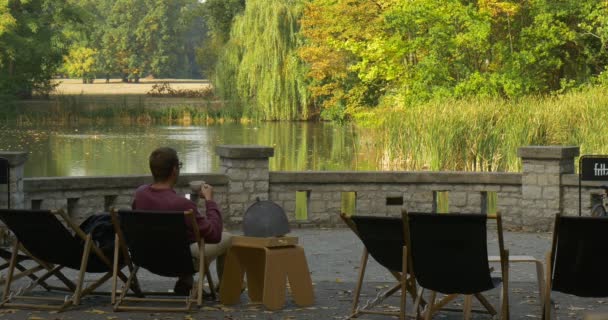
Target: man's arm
[{"x": 210, "y": 227}]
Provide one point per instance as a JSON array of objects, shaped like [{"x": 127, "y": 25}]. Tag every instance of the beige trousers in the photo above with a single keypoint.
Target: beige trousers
[{"x": 212, "y": 251}]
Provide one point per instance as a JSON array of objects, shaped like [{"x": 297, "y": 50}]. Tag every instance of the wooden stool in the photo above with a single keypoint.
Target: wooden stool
[{"x": 268, "y": 263}]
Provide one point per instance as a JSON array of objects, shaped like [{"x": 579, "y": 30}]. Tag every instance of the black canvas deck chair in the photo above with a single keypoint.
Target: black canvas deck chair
[
  {"x": 449, "y": 255},
  {"x": 43, "y": 237},
  {"x": 5, "y": 254},
  {"x": 577, "y": 262},
  {"x": 158, "y": 242},
  {"x": 384, "y": 239}
]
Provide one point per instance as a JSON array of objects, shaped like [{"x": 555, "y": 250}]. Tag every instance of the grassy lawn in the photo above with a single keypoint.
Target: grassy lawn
[{"x": 117, "y": 87}]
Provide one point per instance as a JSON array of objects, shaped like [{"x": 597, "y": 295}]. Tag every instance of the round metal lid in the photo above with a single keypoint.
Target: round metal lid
[{"x": 265, "y": 219}]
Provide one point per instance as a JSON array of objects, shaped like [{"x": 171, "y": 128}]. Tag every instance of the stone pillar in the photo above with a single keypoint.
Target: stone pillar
[
  {"x": 16, "y": 162},
  {"x": 248, "y": 175},
  {"x": 541, "y": 183}
]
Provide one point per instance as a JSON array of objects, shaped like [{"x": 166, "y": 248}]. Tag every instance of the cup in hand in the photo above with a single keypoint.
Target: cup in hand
[{"x": 196, "y": 186}]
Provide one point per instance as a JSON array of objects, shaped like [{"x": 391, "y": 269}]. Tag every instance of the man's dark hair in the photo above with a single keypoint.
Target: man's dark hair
[{"x": 162, "y": 162}]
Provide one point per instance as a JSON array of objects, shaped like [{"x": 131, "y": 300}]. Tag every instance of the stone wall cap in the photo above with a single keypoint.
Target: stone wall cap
[
  {"x": 395, "y": 177},
  {"x": 244, "y": 151},
  {"x": 111, "y": 182},
  {"x": 15, "y": 158},
  {"x": 548, "y": 152}
]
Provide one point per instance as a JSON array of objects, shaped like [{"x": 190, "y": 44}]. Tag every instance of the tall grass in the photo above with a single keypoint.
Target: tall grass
[
  {"x": 484, "y": 134},
  {"x": 82, "y": 109}
]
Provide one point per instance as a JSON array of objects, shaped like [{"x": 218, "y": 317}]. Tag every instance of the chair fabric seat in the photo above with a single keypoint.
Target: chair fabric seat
[
  {"x": 382, "y": 236},
  {"x": 58, "y": 247},
  {"x": 56, "y": 244},
  {"x": 449, "y": 255},
  {"x": 167, "y": 256},
  {"x": 158, "y": 242},
  {"x": 580, "y": 258},
  {"x": 443, "y": 255}
]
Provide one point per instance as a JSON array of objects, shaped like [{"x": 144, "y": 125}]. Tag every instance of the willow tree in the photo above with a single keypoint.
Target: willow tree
[{"x": 259, "y": 71}]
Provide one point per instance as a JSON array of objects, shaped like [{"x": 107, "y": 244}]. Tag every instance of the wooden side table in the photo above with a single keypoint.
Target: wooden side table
[{"x": 268, "y": 263}]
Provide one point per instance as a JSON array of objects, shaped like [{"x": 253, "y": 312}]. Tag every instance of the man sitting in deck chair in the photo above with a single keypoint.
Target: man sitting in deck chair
[{"x": 160, "y": 196}]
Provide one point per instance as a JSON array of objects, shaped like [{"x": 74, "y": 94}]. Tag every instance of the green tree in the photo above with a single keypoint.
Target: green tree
[
  {"x": 147, "y": 36},
  {"x": 218, "y": 17},
  {"x": 390, "y": 53},
  {"x": 259, "y": 70},
  {"x": 81, "y": 63},
  {"x": 335, "y": 33},
  {"x": 31, "y": 44}
]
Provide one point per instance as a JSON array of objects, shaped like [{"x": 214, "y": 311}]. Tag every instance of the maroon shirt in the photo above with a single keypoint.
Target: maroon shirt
[{"x": 210, "y": 227}]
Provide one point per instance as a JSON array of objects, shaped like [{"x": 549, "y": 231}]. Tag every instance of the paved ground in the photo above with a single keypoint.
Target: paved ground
[{"x": 333, "y": 256}]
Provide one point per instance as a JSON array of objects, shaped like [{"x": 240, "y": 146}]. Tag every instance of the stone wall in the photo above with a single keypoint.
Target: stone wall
[
  {"x": 528, "y": 200},
  {"x": 84, "y": 196},
  {"x": 387, "y": 193}
]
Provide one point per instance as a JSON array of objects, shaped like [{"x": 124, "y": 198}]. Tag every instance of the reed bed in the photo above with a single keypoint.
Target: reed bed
[
  {"x": 484, "y": 134},
  {"x": 128, "y": 109}
]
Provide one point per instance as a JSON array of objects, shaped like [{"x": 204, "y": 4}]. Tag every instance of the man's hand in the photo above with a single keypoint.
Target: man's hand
[{"x": 206, "y": 192}]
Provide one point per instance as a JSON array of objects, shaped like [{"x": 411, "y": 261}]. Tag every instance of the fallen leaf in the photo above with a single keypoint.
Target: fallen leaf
[
  {"x": 96, "y": 311},
  {"x": 209, "y": 309},
  {"x": 573, "y": 308}
]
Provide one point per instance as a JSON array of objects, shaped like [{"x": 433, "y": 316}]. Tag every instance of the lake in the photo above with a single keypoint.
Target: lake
[{"x": 124, "y": 150}]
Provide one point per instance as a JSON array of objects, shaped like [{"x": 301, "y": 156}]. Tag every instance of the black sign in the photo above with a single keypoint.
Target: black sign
[
  {"x": 594, "y": 168},
  {"x": 4, "y": 169}
]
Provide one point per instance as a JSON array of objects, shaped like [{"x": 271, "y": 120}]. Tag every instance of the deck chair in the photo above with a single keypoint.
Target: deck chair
[
  {"x": 43, "y": 237},
  {"x": 158, "y": 242},
  {"x": 383, "y": 238},
  {"x": 449, "y": 255},
  {"x": 5, "y": 254},
  {"x": 577, "y": 262}
]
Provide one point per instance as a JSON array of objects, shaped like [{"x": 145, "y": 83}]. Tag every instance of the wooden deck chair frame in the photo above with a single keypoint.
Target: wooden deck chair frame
[
  {"x": 433, "y": 307},
  {"x": 549, "y": 306},
  {"x": 404, "y": 284},
  {"x": 23, "y": 271},
  {"x": 78, "y": 290},
  {"x": 195, "y": 295}
]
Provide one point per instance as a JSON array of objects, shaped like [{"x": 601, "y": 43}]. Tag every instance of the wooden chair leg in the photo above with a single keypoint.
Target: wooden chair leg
[
  {"x": 115, "y": 269},
  {"x": 541, "y": 281},
  {"x": 547, "y": 290},
  {"x": 83, "y": 269},
  {"x": 210, "y": 282},
  {"x": 125, "y": 288},
  {"x": 417, "y": 305},
  {"x": 466, "y": 309},
  {"x": 403, "y": 282},
  {"x": 428, "y": 315},
  {"x": 96, "y": 284},
  {"x": 362, "y": 266},
  {"x": 11, "y": 270},
  {"x": 201, "y": 274},
  {"x": 485, "y": 303}
]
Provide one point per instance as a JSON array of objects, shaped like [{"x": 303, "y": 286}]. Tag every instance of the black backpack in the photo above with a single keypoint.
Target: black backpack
[{"x": 100, "y": 227}]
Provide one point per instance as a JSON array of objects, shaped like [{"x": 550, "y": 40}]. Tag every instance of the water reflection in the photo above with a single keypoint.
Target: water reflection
[{"x": 121, "y": 150}]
